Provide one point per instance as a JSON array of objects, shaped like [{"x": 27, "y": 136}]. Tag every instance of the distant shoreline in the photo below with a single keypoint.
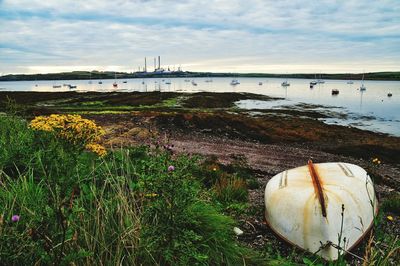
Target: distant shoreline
[{"x": 95, "y": 75}]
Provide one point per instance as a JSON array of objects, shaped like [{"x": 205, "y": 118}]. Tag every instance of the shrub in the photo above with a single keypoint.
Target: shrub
[{"x": 78, "y": 132}]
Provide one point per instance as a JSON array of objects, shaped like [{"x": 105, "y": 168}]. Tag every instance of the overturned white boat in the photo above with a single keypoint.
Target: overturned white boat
[{"x": 324, "y": 208}]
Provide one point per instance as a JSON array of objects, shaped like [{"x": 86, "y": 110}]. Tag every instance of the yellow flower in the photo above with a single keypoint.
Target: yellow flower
[
  {"x": 96, "y": 148},
  {"x": 390, "y": 218},
  {"x": 74, "y": 129},
  {"x": 214, "y": 169}
]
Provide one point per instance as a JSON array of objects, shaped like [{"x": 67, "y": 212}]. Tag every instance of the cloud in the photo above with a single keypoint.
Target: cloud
[{"x": 219, "y": 35}]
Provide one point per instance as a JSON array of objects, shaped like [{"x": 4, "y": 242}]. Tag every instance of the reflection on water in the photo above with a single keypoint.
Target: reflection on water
[{"x": 373, "y": 102}]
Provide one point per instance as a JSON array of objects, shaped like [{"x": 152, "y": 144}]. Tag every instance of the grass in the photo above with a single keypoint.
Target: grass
[{"x": 128, "y": 208}]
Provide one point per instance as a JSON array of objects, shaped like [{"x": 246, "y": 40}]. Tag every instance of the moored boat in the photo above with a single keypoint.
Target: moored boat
[
  {"x": 324, "y": 208},
  {"x": 234, "y": 82},
  {"x": 335, "y": 92}
]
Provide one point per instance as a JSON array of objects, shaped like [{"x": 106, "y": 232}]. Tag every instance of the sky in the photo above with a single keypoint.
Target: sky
[{"x": 287, "y": 36}]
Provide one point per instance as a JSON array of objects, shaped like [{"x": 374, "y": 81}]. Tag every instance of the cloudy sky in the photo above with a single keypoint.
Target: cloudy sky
[{"x": 216, "y": 35}]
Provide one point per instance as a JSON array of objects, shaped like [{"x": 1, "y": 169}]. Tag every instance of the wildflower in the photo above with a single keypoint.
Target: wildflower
[
  {"x": 72, "y": 128},
  {"x": 171, "y": 168},
  {"x": 390, "y": 218},
  {"x": 375, "y": 160},
  {"x": 96, "y": 148},
  {"x": 15, "y": 218}
]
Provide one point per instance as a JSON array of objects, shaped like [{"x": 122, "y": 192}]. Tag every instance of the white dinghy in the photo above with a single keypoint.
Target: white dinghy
[{"x": 324, "y": 208}]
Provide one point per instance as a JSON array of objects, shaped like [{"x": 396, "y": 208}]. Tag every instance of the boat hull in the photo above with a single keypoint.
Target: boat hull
[{"x": 294, "y": 207}]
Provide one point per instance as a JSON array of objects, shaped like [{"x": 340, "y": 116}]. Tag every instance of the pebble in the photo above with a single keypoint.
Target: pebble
[{"x": 237, "y": 231}]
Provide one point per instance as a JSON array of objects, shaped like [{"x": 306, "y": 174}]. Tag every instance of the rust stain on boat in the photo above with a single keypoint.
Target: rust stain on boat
[{"x": 317, "y": 186}]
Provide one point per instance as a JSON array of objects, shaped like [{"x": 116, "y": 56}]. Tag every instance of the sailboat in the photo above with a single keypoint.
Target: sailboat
[
  {"x": 313, "y": 82},
  {"x": 320, "y": 80},
  {"x": 234, "y": 82},
  {"x": 285, "y": 83},
  {"x": 362, "y": 87},
  {"x": 115, "y": 84}
]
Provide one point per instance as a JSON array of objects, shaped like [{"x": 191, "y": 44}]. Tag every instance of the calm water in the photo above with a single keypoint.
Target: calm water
[{"x": 371, "y": 109}]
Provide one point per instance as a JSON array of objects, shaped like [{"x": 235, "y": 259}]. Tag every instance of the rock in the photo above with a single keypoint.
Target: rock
[{"x": 237, "y": 231}]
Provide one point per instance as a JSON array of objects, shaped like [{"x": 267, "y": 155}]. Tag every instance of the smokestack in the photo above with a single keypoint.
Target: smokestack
[
  {"x": 159, "y": 62},
  {"x": 145, "y": 65},
  {"x": 155, "y": 67}
]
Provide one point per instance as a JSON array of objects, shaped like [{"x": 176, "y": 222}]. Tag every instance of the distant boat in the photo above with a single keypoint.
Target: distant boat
[
  {"x": 168, "y": 82},
  {"x": 125, "y": 81},
  {"x": 194, "y": 83},
  {"x": 311, "y": 86},
  {"x": 187, "y": 80},
  {"x": 362, "y": 87},
  {"x": 72, "y": 86},
  {"x": 56, "y": 86},
  {"x": 350, "y": 82},
  {"x": 390, "y": 94},
  {"x": 320, "y": 80},
  {"x": 100, "y": 82},
  {"x": 234, "y": 82},
  {"x": 142, "y": 81},
  {"x": 66, "y": 85},
  {"x": 285, "y": 84},
  {"x": 260, "y": 83},
  {"x": 313, "y": 83},
  {"x": 115, "y": 84},
  {"x": 335, "y": 92}
]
